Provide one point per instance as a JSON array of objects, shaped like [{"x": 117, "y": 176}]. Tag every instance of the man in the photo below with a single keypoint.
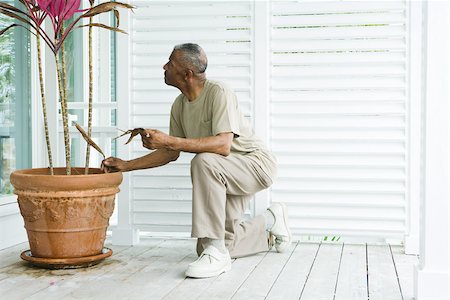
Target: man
[{"x": 230, "y": 166}]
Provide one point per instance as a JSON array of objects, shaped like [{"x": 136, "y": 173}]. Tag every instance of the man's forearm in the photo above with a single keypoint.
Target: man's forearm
[
  {"x": 157, "y": 158},
  {"x": 219, "y": 144}
]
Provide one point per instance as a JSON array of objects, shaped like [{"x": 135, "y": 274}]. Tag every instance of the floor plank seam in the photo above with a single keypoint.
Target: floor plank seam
[
  {"x": 281, "y": 271},
  {"x": 367, "y": 272},
  {"x": 309, "y": 272},
  {"x": 338, "y": 272},
  {"x": 249, "y": 274},
  {"x": 396, "y": 272}
]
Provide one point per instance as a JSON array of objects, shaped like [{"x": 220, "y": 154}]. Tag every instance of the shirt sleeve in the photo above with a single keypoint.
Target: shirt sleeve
[
  {"x": 226, "y": 112},
  {"x": 175, "y": 128}
]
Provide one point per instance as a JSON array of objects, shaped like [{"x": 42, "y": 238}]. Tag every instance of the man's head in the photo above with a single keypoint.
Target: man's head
[{"x": 187, "y": 61}]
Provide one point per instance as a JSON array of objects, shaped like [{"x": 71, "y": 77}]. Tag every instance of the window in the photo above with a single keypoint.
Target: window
[{"x": 15, "y": 152}]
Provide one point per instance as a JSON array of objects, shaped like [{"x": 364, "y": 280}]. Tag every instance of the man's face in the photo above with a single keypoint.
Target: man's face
[{"x": 174, "y": 72}]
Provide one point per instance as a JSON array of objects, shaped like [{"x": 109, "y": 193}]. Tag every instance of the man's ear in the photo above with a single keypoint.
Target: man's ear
[{"x": 189, "y": 74}]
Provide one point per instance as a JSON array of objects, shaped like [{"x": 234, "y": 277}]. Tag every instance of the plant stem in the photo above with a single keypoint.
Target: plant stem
[
  {"x": 65, "y": 114},
  {"x": 91, "y": 83},
  {"x": 44, "y": 104}
]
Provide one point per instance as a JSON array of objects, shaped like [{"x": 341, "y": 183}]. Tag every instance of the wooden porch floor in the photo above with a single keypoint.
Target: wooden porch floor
[{"x": 154, "y": 269}]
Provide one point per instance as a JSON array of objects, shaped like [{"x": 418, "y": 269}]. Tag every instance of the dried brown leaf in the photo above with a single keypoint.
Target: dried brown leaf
[
  {"x": 134, "y": 132},
  {"x": 105, "y": 7},
  {"x": 89, "y": 140},
  {"x": 7, "y": 28},
  {"x": 11, "y": 8},
  {"x": 104, "y": 26},
  {"x": 12, "y": 14}
]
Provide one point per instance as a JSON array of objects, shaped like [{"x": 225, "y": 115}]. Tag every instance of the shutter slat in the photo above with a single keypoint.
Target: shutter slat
[
  {"x": 339, "y": 19},
  {"x": 333, "y": 7}
]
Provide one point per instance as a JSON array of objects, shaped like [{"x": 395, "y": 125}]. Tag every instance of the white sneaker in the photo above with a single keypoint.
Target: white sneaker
[
  {"x": 211, "y": 263},
  {"x": 280, "y": 228}
]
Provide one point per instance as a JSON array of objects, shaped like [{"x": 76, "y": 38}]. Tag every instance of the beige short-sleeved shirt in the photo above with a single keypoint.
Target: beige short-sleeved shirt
[{"x": 216, "y": 111}]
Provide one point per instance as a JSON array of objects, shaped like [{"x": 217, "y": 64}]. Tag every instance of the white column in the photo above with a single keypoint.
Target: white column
[
  {"x": 261, "y": 86},
  {"x": 432, "y": 276},
  {"x": 414, "y": 129},
  {"x": 124, "y": 233}
]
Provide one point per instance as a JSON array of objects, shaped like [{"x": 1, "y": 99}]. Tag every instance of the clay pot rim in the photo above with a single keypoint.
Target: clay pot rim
[
  {"x": 40, "y": 179},
  {"x": 46, "y": 172}
]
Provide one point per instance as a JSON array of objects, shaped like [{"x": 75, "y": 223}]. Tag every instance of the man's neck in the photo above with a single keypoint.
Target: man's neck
[{"x": 193, "y": 90}]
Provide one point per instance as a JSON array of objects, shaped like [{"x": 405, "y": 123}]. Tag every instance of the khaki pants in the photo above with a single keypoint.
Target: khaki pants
[{"x": 222, "y": 188}]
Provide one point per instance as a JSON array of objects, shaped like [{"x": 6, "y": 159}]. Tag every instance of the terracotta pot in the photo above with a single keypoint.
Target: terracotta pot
[{"x": 65, "y": 216}]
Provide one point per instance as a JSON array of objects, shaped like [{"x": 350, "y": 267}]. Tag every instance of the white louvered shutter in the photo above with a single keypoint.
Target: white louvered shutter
[
  {"x": 339, "y": 115},
  {"x": 161, "y": 197}
]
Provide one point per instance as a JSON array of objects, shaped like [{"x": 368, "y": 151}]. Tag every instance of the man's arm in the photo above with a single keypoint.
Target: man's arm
[
  {"x": 219, "y": 144},
  {"x": 157, "y": 158}
]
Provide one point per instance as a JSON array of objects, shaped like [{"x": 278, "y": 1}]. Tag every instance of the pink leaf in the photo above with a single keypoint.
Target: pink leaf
[
  {"x": 58, "y": 8},
  {"x": 72, "y": 6},
  {"x": 43, "y": 4}
]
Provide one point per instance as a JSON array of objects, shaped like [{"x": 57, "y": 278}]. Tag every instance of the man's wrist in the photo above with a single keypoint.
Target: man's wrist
[{"x": 172, "y": 143}]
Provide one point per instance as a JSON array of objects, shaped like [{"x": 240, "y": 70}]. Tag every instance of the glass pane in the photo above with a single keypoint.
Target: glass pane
[{"x": 15, "y": 152}]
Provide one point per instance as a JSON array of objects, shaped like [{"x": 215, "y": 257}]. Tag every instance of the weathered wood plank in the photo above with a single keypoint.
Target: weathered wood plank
[
  {"x": 116, "y": 282},
  {"x": 352, "y": 281},
  {"x": 405, "y": 265},
  {"x": 190, "y": 288},
  {"x": 68, "y": 281},
  {"x": 163, "y": 274},
  {"x": 155, "y": 270},
  {"x": 322, "y": 279},
  {"x": 230, "y": 282},
  {"x": 258, "y": 284},
  {"x": 21, "y": 279},
  {"x": 11, "y": 255},
  {"x": 292, "y": 278},
  {"x": 383, "y": 283}
]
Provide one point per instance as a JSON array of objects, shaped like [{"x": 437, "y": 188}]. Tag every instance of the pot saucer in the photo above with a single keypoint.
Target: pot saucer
[{"x": 66, "y": 263}]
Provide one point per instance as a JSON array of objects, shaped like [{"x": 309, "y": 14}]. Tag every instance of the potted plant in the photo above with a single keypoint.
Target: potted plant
[{"x": 65, "y": 210}]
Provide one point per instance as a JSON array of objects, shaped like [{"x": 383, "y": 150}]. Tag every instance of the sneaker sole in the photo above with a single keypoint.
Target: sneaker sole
[{"x": 194, "y": 274}]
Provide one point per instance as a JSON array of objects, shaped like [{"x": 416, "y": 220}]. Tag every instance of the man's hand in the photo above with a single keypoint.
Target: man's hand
[
  {"x": 113, "y": 164},
  {"x": 154, "y": 139}
]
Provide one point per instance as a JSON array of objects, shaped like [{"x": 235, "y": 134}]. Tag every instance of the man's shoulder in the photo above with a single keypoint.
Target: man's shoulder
[
  {"x": 177, "y": 102},
  {"x": 217, "y": 86}
]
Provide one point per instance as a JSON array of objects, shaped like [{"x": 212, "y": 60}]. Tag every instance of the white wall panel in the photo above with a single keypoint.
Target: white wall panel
[{"x": 338, "y": 112}]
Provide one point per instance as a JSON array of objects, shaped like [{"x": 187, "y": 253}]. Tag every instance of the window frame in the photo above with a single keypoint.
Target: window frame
[{"x": 22, "y": 49}]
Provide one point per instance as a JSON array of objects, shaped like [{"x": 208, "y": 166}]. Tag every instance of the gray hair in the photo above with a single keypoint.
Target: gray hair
[{"x": 193, "y": 56}]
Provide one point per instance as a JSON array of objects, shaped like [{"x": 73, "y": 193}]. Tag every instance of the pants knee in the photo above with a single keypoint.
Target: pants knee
[{"x": 202, "y": 160}]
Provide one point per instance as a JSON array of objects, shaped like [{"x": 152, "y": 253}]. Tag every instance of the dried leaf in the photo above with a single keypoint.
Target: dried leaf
[
  {"x": 105, "y": 7},
  {"x": 89, "y": 140},
  {"x": 14, "y": 25},
  {"x": 15, "y": 16},
  {"x": 117, "y": 15},
  {"x": 103, "y": 26},
  {"x": 11, "y": 8},
  {"x": 7, "y": 28},
  {"x": 134, "y": 132}
]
